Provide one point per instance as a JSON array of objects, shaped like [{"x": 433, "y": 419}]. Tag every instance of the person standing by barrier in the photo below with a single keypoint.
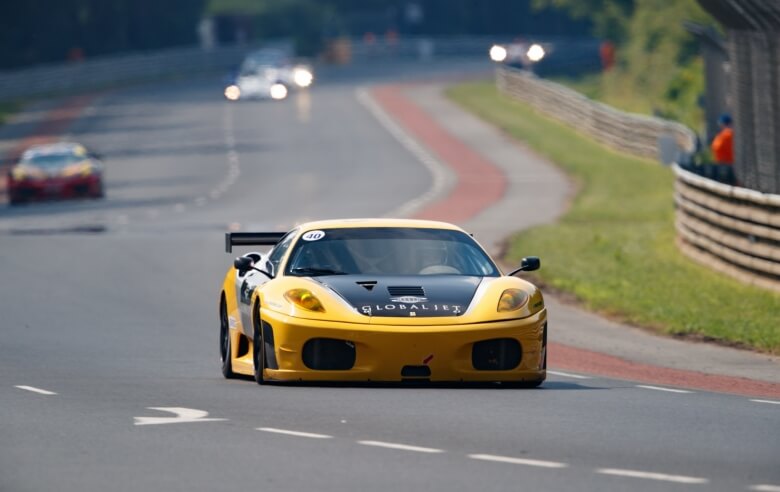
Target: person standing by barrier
[{"x": 723, "y": 149}]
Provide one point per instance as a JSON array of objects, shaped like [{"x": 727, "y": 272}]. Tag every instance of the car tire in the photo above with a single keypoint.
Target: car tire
[
  {"x": 258, "y": 346},
  {"x": 225, "y": 346}
]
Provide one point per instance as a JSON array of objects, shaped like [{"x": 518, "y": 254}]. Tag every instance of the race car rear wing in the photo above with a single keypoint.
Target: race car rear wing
[{"x": 251, "y": 239}]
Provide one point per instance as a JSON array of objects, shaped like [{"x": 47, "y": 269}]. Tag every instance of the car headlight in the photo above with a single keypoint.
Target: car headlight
[
  {"x": 303, "y": 298},
  {"x": 498, "y": 53},
  {"x": 278, "y": 91},
  {"x": 232, "y": 92},
  {"x": 512, "y": 300},
  {"x": 18, "y": 174},
  {"x": 535, "y": 52},
  {"x": 302, "y": 77},
  {"x": 83, "y": 170}
]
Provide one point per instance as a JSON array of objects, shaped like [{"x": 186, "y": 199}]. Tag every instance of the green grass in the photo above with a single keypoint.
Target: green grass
[
  {"x": 614, "y": 248},
  {"x": 7, "y": 109}
]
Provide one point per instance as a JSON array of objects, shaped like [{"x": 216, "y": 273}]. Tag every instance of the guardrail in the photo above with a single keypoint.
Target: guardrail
[
  {"x": 626, "y": 132},
  {"x": 116, "y": 69},
  {"x": 732, "y": 230}
]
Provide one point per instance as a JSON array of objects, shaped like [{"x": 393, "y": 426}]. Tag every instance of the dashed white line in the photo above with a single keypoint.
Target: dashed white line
[
  {"x": 518, "y": 461},
  {"x": 294, "y": 433},
  {"x": 35, "y": 390},
  {"x": 764, "y": 487},
  {"x": 403, "y": 447},
  {"x": 567, "y": 375},
  {"x": 659, "y": 388},
  {"x": 652, "y": 476},
  {"x": 767, "y": 401}
]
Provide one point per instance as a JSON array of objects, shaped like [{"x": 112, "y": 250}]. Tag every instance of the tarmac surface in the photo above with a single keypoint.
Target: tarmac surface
[{"x": 109, "y": 370}]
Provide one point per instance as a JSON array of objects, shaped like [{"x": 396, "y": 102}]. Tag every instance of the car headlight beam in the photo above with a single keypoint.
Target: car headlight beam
[
  {"x": 302, "y": 77},
  {"x": 232, "y": 92},
  {"x": 498, "y": 53},
  {"x": 278, "y": 91},
  {"x": 535, "y": 52}
]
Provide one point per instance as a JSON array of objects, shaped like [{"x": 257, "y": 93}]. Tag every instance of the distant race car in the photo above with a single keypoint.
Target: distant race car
[
  {"x": 58, "y": 170},
  {"x": 268, "y": 74},
  {"x": 379, "y": 300},
  {"x": 519, "y": 54}
]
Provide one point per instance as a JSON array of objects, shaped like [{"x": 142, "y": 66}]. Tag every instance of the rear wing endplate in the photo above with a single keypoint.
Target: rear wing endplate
[{"x": 251, "y": 239}]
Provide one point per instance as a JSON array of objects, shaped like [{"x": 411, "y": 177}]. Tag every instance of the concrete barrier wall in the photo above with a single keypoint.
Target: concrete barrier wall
[
  {"x": 626, "y": 132},
  {"x": 110, "y": 70},
  {"x": 732, "y": 230}
]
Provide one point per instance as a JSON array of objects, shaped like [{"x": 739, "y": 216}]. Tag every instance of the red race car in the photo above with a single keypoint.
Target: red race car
[{"x": 60, "y": 170}]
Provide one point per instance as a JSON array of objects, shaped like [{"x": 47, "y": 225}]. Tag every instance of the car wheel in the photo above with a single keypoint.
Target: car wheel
[
  {"x": 225, "y": 349},
  {"x": 258, "y": 347}
]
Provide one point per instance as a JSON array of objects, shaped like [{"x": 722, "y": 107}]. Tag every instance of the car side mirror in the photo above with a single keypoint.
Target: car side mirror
[
  {"x": 244, "y": 263},
  {"x": 528, "y": 264}
]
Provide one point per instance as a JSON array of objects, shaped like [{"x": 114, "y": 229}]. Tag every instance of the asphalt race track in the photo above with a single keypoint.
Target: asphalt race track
[{"x": 112, "y": 307}]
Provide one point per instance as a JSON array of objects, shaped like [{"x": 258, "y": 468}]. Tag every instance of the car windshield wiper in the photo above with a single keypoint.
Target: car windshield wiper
[{"x": 311, "y": 271}]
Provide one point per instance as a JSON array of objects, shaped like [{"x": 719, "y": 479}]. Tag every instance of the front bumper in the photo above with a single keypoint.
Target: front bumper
[
  {"x": 68, "y": 187},
  {"x": 382, "y": 352}
]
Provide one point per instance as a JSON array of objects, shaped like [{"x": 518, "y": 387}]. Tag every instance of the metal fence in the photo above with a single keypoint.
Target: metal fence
[
  {"x": 732, "y": 230},
  {"x": 626, "y": 132},
  {"x": 753, "y": 45}
]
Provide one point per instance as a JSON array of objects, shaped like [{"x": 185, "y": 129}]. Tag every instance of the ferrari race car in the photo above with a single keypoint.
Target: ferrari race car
[
  {"x": 60, "y": 170},
  {"x": 268, "y": 74},
  {"x": 378, "y": 300}
]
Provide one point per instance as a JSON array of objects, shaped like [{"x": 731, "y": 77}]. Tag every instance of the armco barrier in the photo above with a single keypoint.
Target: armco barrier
[
  {"x": 732, "y": 230},
  {"x": 627, "y": 132},
  {"x": 116, "y": 69}
]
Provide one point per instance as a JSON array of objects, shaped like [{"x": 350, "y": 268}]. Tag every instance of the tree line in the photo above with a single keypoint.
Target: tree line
[{"x": 41, "y": 31}]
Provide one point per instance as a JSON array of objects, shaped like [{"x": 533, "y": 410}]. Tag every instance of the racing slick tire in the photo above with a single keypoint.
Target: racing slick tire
[
  {"x": 225, "y": 348},
  {"x": 258, "y": 346}
]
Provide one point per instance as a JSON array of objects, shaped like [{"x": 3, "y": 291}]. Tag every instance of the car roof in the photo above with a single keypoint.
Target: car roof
[
  {"x": 54, "y": 148},
  {"x": 359, "y": 223}
]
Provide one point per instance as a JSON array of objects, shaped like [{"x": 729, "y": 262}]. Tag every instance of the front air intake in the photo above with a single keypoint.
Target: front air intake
[
  {"x": 499, "y": 354},
  {"x": 329, "y": 354}
]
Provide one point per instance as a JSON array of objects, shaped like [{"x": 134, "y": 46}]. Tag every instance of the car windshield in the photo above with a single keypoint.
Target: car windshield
[
  {"x": 388, "y": 251},
  {"x": 51, "y": 161}
]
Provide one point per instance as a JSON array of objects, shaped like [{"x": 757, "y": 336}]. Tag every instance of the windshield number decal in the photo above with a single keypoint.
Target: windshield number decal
[{"x": 313, "y": 236}]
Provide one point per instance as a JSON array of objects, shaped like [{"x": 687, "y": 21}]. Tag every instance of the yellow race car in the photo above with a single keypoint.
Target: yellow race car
[{"x": 378, "y": 300}]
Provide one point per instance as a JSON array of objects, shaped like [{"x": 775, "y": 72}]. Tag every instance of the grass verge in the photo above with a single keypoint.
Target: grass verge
[
  {"x": 614, "y": 248},
  {"x": 7, "y": 109}
]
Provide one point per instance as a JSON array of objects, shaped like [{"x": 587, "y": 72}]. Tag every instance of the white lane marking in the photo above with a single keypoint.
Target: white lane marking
[
  {"x": 35, "y": 390},
  {"x": 294, "y": 433},
  {"x": 767, "y": 401},
  {"x": 658, "y": 388},
  {"x": 518, "y": 461},
  {"x": 442, "y": 178},
  {"x": 652, "y": 476},
  {"x": 183, "y": 415},
  {"x": 765, "y": 487},
  {"x": 567, "y": 375},
  {"x": 403, "y": 447},
  {"x": 233, "y": 158}
]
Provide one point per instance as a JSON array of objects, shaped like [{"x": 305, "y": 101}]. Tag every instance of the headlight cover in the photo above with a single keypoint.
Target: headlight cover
[
  {"x": 303, "y": 298},
  {"x": 512, "y": 300}
]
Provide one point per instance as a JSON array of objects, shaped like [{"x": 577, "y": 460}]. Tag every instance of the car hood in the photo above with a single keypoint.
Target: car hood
[{"x": 405, "y": 296}]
